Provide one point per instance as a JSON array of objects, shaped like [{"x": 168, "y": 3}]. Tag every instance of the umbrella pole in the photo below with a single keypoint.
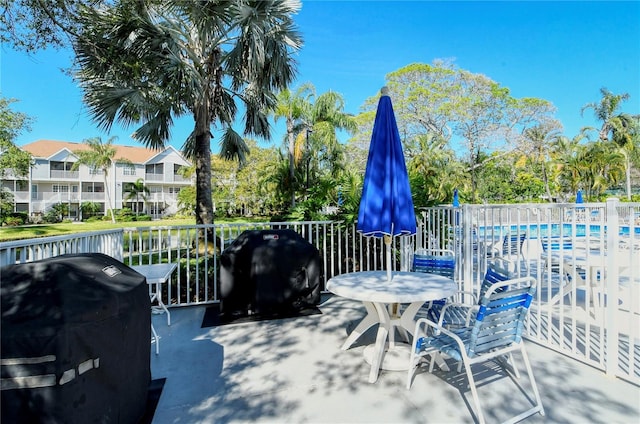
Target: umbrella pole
[{"x": 387, "y": 242}]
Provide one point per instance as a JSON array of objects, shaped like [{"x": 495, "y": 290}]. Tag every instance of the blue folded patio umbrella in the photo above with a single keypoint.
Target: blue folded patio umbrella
[
  {"x": 579, "y": 200},
  {"x": 456, "y": 204},
  {"x": 386, "y": 207}
]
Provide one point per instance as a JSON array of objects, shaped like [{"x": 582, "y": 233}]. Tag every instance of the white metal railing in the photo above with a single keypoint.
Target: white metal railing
[
  {"x": 587, "y": 305},
  {"x": 108, "y": 242},
  {"x": 585, "y": 260}
]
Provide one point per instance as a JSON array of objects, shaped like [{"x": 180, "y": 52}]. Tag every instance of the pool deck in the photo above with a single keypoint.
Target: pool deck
[{"x": 293, "y": 371}]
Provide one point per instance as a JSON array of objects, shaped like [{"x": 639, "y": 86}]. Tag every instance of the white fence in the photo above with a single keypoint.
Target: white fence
[
  {"x": 585, "y": 258},
  {"x": 21, "y": 251}
]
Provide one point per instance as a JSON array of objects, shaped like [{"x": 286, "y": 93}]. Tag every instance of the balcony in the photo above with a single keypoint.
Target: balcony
[
  {"x": 180, "y": 179},
  {"x": 63, "y": 175},
  {"x": 93, "y": 196},
  {"x": 154, "y": 177},
  {"x": 584, "y": 345},
  {"x": 293, "y": 370}
]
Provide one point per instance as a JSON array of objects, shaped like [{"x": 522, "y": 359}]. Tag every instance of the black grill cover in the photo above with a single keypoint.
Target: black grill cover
[
  {"x": 75, "y": 341},
  {"x": 267, "y": 271}
]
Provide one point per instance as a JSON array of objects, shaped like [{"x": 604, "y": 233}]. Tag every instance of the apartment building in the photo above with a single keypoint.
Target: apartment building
[{"x": 51, "y": 180}]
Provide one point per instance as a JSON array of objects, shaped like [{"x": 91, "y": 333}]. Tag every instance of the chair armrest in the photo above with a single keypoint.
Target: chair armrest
[
  {"x": 437, "y": 329},
  {"x": 470, "y": 310}
]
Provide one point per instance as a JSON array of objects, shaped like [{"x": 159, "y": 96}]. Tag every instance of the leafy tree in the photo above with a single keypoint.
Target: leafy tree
[
  {"x": 137, "y": 190},
  {"x": 616, "y": 127},
  {"x": 11, "y": 125},
  {"x": 470, "y": 111},
  {"x": 187, "y": 200},
  {"x": 6, "y": 204},
  {"x": 37, "y": 24},
  {"x": 148, "y": 63},
  {"x": 350, "y": 191},
  {"x": 254, "y": 194},
  {"x": 89, "y": 209},
  {"x": 282, "y": 185},
  {"x": 56, "y": 213},
  {"x": 100, "y": 157}
]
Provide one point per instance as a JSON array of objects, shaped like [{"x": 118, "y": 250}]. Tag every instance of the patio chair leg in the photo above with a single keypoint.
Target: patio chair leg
[
  {"x": 509, "y": 362},
  {"x": 474, "y": 392},
  {"x": 538, "y": 407}
]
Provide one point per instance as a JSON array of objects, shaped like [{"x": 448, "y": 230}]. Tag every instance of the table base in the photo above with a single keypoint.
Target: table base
[{"x": 395, "y": 358}]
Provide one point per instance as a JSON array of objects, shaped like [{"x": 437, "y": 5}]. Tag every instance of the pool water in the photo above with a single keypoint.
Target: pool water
[{"x": 535, "y": 231}]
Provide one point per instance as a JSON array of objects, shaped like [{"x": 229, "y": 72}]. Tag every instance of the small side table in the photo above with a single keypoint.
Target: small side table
[{"x": 157, "y": 274}]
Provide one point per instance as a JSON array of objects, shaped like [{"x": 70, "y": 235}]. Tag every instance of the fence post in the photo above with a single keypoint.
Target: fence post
[
  {"x": 612, "y": 283},
  {"x": 466, "y": 246}
]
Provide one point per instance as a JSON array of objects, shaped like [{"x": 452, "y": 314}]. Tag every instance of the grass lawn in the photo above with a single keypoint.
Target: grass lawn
[{"x": 48, "y": 230}]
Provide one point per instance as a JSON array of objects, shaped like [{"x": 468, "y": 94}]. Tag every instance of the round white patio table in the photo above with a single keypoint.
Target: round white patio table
[{"x": 376, "y": 292}]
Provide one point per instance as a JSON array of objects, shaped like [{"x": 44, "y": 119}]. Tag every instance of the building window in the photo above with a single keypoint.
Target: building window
[
  {"x": 156, "y": 168},
  {"x": 60, "y": 188},
  {"x": 22, "y": 185},
  {"x": 95, "y": 171},
  {"x": 61, "y": 166},
  {"x": 128, "y": 169}
]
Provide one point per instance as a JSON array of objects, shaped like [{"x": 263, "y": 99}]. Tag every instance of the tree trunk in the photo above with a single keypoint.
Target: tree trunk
[
  {"x": 545, "y": 178},
  {"x": 204, "y": 203},
  {"x": 106, "y": 192},
  {"x": 291, "y": 162}
]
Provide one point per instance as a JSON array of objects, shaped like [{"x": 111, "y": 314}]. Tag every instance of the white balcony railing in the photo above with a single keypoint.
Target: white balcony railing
[
  {"x": 154, "y": 177},
  {"x": 21, "y": 196},
  {"x": 59, "y": 175},
  {"x": 587, "y": 305}
]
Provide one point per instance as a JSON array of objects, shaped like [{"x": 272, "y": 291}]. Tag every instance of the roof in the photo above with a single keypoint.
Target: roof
[{"x": 47, "y": 148}]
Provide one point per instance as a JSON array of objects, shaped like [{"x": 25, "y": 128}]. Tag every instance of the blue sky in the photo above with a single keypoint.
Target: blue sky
[{"x": 563, "y": 52}]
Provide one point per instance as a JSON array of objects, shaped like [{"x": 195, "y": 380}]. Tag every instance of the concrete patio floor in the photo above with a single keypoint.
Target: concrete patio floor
[{"x": 293, "y": 371}]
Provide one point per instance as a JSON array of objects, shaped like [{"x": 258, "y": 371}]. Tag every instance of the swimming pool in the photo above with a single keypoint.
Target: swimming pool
[{"x": 535, "y": 231}]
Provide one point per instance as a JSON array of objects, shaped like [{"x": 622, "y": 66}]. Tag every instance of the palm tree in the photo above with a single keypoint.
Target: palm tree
[
  {"x": 136, "y": 191},
  {"x": 539, "y": 140},
  {"x": 602, "y": 166},
  {"x": 293, "y": 107},
  {"x": 99, "y": 157},
  {"x": 616, "y": 127},
  {"x": 566, "y": 158},
  {"x": 433, "y": 170},
  {"x": 317, "y": 145},
  {"x": 147, "y": 63}
]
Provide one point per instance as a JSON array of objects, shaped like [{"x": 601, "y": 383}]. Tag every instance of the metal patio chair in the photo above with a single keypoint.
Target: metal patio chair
[
  {"x": 435, "y": 261},
  {"x": 493, "y": 335},
  {"x": 458, "y": 314},
  {"x": 511, "y": 249}
]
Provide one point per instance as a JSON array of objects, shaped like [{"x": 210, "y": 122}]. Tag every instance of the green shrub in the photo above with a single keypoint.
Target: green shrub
[
  {"x": 13, "y": 221},
  {"x": 51, "y": 217}
]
